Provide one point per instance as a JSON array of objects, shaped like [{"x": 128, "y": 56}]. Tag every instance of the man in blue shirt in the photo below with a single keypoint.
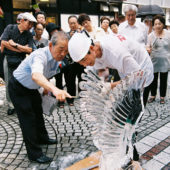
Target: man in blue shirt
[{"x": 31, "y": 74}]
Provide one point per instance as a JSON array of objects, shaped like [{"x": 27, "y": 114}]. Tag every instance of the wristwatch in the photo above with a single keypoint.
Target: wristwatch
[{"x": 16, "y": 45}]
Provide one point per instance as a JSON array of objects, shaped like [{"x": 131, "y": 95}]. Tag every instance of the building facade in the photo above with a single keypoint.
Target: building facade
[{"x": 57, "y": 10}]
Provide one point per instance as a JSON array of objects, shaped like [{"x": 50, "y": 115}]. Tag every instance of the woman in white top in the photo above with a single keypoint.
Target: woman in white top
[
  {"x": 104, "y": 21},
  {"x": 159, "y": 48},
  {"x": 94, "y": 32}
]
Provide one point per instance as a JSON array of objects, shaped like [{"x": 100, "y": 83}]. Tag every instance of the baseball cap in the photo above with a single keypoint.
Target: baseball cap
[
  {"x": 29, "y": 17},
  {"x": 78, "y": 46},
  {"x": 19, "y": 16}
]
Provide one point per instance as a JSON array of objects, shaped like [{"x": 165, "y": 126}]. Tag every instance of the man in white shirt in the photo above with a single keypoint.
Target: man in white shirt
[
  {"x": 133, "y": 28},
  {"x": 113, "y": 52}
]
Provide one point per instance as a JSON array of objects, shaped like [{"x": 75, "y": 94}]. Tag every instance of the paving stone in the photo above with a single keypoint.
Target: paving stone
[
  {"x": 68, "y": 149},
  {"x": 165, "y": 130},
  {"x": 3, "y": 155},
  {"x": 153, "y": 165},
  {"x": 163, "y": 158},
  {"x": 77, "y": 150},
  {"x": 142, "y": 148},
  {"x": 3, "y": 166},
  {"x": 150, "y": 141},
  {"x": 8, "y": 161},
  {"x": 159, "y": 135},
  {"x": 167, "y": 150}
]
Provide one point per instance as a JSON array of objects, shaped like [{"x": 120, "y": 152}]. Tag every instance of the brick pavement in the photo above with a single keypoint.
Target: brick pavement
[{"x": 75, "y": 141}]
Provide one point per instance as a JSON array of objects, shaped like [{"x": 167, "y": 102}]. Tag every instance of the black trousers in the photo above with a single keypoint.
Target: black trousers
[
  {"x": 153, "y": 86},
  {"x": 146, "y": 94},
  {"x": 70, "y": 73},
  {"x": 27, "y": 103},
  {"x": 1, "y": 65},
  {"x": 163, "y": 84}
]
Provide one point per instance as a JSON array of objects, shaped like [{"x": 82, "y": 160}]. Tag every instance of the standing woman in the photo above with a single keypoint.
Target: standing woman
[{"x": 159, "y": 48}]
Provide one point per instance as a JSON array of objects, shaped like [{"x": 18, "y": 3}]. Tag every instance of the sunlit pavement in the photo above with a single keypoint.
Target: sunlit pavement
[{"x": 73, "y": 135}]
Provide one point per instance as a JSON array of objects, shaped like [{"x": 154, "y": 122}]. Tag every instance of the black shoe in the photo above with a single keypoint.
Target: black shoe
[
  {"x": 49, "y": 141},
  {"x": 10, "y": 111},
  {"x": 61, "y": 104},
  {"x": 43, "y": 159}
]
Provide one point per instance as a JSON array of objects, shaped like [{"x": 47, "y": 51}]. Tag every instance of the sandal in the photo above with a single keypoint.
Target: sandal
[
  {"x": 162, "y": 101},
  {"x": 71, "y": 104},
  {"x": 152, "y": 99}
]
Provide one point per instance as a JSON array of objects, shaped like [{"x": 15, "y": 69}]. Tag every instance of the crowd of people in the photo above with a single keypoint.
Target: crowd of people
[{"x": 35, "y": 52}]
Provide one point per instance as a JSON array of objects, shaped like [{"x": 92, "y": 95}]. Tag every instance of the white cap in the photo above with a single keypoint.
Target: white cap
[
  {"x": 19, "y": 16},
  {"x": 29, "y": 17},
  {"x": 78, "y": 46}
]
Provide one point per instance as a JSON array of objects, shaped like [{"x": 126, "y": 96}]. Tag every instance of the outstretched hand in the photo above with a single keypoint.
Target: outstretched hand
[{"x": 61, "y": 95}]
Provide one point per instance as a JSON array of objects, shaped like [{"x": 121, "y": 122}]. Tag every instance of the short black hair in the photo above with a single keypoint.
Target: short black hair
[
  {"x": 121, "y": 18},
  {"x": 160, "y": 18},
  {"x": 72, "y": 16},
  {"x": 36, "y": 23},
  {"x": 113, "y": 22},
  {"x": 83, "y": 17},
  {"x": 104, "y": 18},
  {"x": 40, "y": 12}
]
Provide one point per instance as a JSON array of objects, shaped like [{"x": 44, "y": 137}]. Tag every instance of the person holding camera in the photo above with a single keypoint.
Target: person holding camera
[{"x": 39, "y": 41}]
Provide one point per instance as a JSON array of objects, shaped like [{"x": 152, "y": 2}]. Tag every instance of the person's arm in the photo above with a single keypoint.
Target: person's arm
[
  {"x": 148, "y": 46},
  {"x": 43, "y": 82},
  {"x": 21, "y": 48},
  {"x": 24, "y": 49},
  {"x": 114, "y": 84},
  {"x": 5, "y": 37},
  {"x": 7, "y": 45}
]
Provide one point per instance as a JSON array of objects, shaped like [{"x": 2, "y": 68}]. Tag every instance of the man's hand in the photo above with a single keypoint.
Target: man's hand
[
  {"x": 60, "y": 95},
  {"x": 149, "y": 50},
  {"x": 114, "y": 84},
  {"x": 45, "y": 92},
  {"x": 42, "y": 81}
]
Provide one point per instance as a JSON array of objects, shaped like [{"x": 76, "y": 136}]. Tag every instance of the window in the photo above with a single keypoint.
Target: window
[
  {"x": 19, "y": 4},
  {"x": 27, "y": 4}
]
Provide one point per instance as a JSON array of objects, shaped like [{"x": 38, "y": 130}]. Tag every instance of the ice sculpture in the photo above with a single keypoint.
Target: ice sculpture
[{"x": 113, "y": 115}]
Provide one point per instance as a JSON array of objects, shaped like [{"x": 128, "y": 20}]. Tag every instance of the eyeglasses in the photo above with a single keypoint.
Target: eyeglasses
[{"x": 39, "y": 29}]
